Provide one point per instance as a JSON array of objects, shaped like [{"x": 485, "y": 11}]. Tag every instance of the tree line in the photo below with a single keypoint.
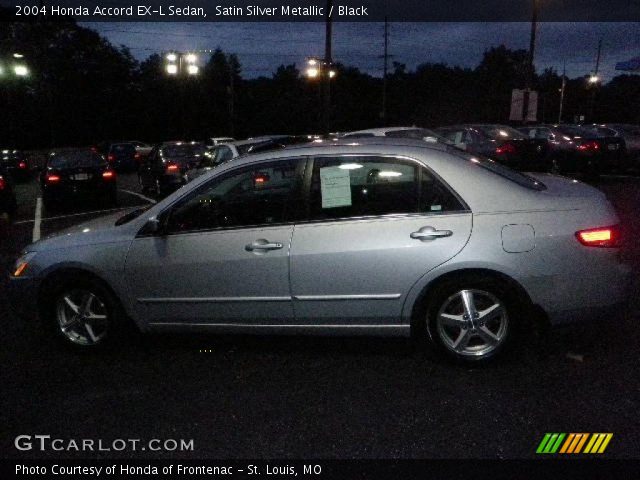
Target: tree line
[{"x": 81, "y": 89}]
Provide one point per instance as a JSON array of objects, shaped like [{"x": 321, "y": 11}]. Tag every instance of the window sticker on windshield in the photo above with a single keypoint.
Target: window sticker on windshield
[{"x": 335, "y": 187}]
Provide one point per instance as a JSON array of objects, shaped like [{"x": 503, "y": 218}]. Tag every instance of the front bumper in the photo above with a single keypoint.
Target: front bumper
[{"x": 23, "y": 295}]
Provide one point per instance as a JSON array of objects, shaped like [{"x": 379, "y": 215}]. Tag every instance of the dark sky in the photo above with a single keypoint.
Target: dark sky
[{"x": 261, "y": 47}]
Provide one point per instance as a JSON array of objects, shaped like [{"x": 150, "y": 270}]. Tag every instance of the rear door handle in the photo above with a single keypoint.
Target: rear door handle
[
  {"x": 430, "y": 233},
  {"x": 262, "y": 244}
]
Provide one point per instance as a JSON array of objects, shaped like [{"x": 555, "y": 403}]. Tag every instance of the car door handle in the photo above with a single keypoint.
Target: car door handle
[
  {"x": 262, "y": 244},
  {"x": 430, "y": 233}
]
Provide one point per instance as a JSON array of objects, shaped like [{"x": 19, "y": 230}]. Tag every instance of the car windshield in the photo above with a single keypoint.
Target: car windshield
[
  {"x": 505, "y": 172},
  {"x": 501, "y": 132},
  {"x": 183, "y": 150},
  {"x": 75, "y": 159}
]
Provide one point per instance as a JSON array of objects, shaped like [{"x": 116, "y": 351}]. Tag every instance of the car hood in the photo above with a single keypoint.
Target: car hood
[{"x": 98, "y": 230}]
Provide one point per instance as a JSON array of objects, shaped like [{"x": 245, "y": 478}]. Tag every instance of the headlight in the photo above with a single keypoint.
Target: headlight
[{"x": 23, "y": 263}]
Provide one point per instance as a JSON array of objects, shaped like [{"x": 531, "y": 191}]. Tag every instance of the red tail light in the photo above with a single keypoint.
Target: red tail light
[
  {"x": 53, "y": 178},
  {"x": 605, "y": 237},
  {"x": 506, "y": 148},
  {"x": 137, "y": 156},
  {"x": 111, "y": 157},
  {"x": 109, "y": 175},
  {"x": 172, "y": 168},
  {"x": 3, "y": 183},
  {"x": 22, "y": 165},
  {"x": 589, "y": 146}
]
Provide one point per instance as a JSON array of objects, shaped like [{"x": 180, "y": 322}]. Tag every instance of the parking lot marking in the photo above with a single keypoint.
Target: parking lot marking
[
  {"x": 37, "y": 220},
  {"x": 148, "y": 199},
  {"x": 58, "y": 217}
]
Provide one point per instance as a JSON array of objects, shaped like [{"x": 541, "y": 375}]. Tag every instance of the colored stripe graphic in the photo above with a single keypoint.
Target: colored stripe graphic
[{"x": 574, "y": 442}]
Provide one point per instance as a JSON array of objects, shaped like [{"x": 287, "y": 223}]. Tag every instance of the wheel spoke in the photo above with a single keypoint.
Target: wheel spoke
[
  {"x": 451, "y": 320},
  {"x": 74, "y": 308},
  {"x": 468, "y": 302},
  {"x": 487, "y": 335},
  {"x": 87, "y": 301},
  {"x": 89, "y": 330},
  {"x": 74, "y": 322},
  {"x": 461, "y": 342},
  {"x": 491, "y": 312}
]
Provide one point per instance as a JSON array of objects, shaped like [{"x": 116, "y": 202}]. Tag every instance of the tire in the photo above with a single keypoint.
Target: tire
[
  {"x": 463, "y": 333},
  {"x": 83, "y": 314}
]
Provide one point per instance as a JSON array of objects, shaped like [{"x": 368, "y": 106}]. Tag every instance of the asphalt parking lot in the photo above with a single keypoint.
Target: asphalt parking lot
[{"x": 292, "y": 397}]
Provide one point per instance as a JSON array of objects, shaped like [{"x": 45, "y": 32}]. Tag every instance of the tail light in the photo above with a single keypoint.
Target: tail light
[
  {"x": 589, "y": 146},
  {"x": 172, "y": 168},
  {"x": 22, "y": 165},
  {"x": 111, "y": 157},
  {"x": 52, "y": 178},
  {"x": 137, "y": 156},
  {"x": 507, "y": 148},
  {"x": 109, "y": 175},
  {"x": 605, "y": 237},
  {"x": 3, "y": 183}
]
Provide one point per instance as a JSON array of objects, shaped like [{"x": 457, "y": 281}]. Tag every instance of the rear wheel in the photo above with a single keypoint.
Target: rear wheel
[{"x": 472, "y": 319}]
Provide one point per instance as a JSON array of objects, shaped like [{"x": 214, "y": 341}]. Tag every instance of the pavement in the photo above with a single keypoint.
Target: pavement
[{"x": 305, "y": 397}]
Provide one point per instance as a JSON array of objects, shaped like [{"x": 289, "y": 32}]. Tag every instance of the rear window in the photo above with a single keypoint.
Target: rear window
[
  {"x": 505, "y": 172},
  {"x": 123, "y": 148},
  {"x": 184, "y": 150},
  {"x": 501, "y": 132},
  {"x": 75, "y": 159}
]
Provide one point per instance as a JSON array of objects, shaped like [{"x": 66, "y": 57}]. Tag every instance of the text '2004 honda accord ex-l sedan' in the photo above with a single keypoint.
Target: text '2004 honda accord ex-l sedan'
[{"x": 376, "y": 236}]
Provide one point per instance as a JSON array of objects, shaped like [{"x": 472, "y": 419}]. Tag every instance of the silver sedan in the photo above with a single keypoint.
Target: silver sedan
[{"x": 372, "y": 236}]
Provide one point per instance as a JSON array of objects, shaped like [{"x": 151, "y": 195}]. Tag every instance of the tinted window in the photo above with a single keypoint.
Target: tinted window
[
  {"x": 365, "y": 186},
  {"x": 123, "y": 148},
  {"x": 75, "y": 159},
  {"x": 252, "y": 196},
  {"x": 505, "y": 172},
  {"x": 183, "y": 150},
  {"x": 222, "y": 154}
]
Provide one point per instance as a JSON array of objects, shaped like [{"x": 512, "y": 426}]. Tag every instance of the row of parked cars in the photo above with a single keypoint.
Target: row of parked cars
[{"x": 576, "y": 150}]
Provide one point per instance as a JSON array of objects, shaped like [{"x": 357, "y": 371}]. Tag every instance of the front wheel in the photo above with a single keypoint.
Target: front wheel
[
  {"x": 472, "y": 320},
  {"x": 83, "y": 313}
]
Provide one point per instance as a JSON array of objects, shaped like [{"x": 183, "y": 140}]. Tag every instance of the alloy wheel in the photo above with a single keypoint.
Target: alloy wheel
[
  {"x": 472, "y": 323},
  {"x": 82, "y": 317}
]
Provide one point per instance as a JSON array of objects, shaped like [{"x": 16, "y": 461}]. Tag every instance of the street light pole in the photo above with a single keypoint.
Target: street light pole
[
  {"x": 564, "y": 85},
  {"x": 530, "y": 68},
  {"x": 326, "y": 78}
]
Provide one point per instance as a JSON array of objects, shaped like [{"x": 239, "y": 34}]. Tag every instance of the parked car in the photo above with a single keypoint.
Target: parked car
[
  {"x": 122, "y": 156},
  {"x": 380, "y": 237},
  {"x": 8, "y": 204},
  {"x": 501, "y": 143},
  {"x": 142, "y": 150},
  {"x": 399, "y": 132},
  {"x": 574, "y": 149},
  {"x": 15, "y": 163},
  {"x": 620, "y": 142},
  {"x": 166, "y": 167},
  {"x": 213, "y": 141},
  {"x": 84, "y": 174}
]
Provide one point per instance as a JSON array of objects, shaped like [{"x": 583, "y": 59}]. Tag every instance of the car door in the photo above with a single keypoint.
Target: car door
[
  {"x": 223, "y": 254},
  {"x": 375, "y": 226}
]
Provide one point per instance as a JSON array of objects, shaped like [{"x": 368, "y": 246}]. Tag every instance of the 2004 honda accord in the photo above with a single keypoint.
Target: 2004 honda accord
[{"x": 377, "y": 236}]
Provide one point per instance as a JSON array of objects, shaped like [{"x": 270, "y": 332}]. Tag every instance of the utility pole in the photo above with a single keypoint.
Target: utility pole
[
  {"x": 564, "y": 85},
  {"x": 530, "y": 68},
  {"x": 594, "y": 80},
  {"x": 383, "y": 114},
  {"x": 326, "y": 78}
]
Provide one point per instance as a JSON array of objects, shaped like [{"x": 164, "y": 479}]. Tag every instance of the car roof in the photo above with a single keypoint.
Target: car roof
[{"x": 381, "y": 131}]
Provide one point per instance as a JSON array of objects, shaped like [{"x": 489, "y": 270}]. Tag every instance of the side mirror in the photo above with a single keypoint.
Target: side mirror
[{"x": 152, "y": 227}]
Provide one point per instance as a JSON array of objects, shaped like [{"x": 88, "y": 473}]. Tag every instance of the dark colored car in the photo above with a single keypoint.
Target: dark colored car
[
  {"x": 501, "y": 143},
  {"x": 165, "y": 168},
  {"x": 575, "y": 150},
  {"x": 621, "y": 144},
  {"x": 75, "y": 174},
  {"x": 15, "y": 163},
  {"x": 122, "y": 156},
  {"x": 8, "y": 204}
]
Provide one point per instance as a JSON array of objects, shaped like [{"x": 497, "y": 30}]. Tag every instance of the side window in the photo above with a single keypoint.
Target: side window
[
  {"x": 252, "y": 196},
  {"x": 369, "y": 186},
  {"x": 223, "y": 154}
]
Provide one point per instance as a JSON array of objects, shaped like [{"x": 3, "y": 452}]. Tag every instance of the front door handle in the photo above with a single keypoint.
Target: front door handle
[
  {"x": 430, "y": 233},
  {"x": 262, "y": 244}
]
